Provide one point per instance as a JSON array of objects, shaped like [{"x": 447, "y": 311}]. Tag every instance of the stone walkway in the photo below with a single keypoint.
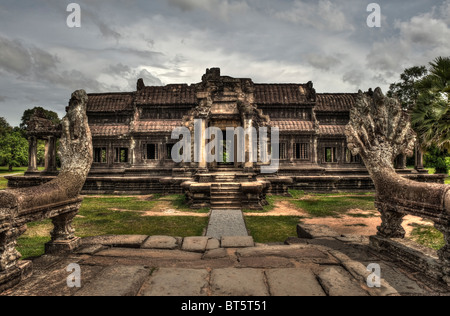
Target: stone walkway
[
  {"x": 226, "y": 223},
  {"x": 232, "y": 266}
]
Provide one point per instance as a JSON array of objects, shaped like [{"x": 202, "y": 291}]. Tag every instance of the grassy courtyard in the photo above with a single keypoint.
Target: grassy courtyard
[
  {"x": 117, "y": 216},
  {"x": 168, "y": 215}
]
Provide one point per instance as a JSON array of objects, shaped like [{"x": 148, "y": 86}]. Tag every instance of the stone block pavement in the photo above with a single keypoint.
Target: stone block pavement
[{"x": 205, "y": 266}]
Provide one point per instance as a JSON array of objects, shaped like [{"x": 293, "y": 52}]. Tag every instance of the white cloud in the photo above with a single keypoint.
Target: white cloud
[
  {"x": 323, "y": 15},
  {"x": 321, "y": 61},
  {"x": 425, "y": 30},
  {"x": 219, "y": 8}
]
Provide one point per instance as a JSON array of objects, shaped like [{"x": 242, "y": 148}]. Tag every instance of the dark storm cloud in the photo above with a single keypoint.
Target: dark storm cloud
[{"x": 173, "y": 41}]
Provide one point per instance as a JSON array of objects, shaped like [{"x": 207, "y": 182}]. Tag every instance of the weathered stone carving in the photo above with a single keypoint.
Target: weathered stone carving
[
  {"x": 58, "y": 199},
  {"x": 379, "y": 131}
]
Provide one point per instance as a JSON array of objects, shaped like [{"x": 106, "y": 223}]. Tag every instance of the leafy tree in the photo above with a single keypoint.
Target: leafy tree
[
  {"x": 431, "y": 115},
  {"x": 14, "y": 149},
  {"x": 406, "y": 90},
  {"x": 4, "y": 127},
  {"x": 435, "y": 158},
  {"x": 52, "y": 116}
]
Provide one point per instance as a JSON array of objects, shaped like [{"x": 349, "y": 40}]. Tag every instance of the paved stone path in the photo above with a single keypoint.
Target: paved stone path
[
  {"x": 232, "y": 266},
  {"x": 226, "y": 223}
]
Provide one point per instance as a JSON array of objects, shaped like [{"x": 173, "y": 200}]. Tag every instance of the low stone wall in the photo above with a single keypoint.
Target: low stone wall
[{"x": 168, "y": 185}]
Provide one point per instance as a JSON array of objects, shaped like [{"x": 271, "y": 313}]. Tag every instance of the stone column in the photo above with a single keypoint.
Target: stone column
[
  {"x": 200, "y": 144},
  {"x": 315, "y": 150},
  {"x": 249, "y": 145},
  {"x": 419, "y": 158},
  {"x": 63, "y": 235},
  {"x": 50, "y": 154},
  {"x": 291, "y": 149},
  {"x": 32, "y": 154},
  {"x": 391, "y": 222}
]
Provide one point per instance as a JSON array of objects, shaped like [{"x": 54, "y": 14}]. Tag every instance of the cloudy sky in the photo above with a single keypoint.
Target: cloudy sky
[{"x": 42, "y": 60}]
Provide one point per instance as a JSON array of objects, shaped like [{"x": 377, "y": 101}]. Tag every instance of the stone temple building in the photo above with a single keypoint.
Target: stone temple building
[{"x": 133, "y": 145}]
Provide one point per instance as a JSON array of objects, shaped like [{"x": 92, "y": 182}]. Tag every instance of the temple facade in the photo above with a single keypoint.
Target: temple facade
[{"x": 133, "y": 145}]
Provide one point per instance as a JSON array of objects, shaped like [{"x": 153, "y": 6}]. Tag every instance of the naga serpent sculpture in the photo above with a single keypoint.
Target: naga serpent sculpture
[
  {"x": 58, "y": 199},
  {"x": 379, "y": 131}
]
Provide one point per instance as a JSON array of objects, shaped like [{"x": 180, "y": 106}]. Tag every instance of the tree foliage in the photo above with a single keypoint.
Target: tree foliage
[
  {"x": 50, "y": 115},
  {"x": 406, "y": 90},
  {"x": 5, "y": 128},
  {"x": 431, "y": 115},
  {"x": 14, "y": 149}
]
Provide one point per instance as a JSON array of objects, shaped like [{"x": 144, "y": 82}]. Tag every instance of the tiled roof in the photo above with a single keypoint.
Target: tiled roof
[
  {"x": 332, "y": 129},
  {"x": 157, "y": 126},
  {"x": 335, "y": 102},
  {"x": 111, "y": 102},
  {"x": 109, "y": 129},
  {"x": 174, "y": 94},
  {"x": 293, "y": 125},
  {"x": 267, "y": 94}
]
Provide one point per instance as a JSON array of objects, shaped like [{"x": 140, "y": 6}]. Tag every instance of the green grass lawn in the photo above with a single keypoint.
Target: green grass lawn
[
  {"x": 3, "y": 183},
  {"x": 272, "y": 228},
  {"x": 332, "y": 204},
  {"x": 428, "y": 236},
  {"x": 97, "y": 217},
  {"x": 5, "y": 170}
]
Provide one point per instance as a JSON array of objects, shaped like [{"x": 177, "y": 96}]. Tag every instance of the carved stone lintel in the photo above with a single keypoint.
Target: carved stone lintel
[{"x": 391, "y": 225}]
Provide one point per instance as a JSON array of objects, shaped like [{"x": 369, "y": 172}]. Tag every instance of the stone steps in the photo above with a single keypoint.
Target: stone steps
[{"x": 226, "y": 196}]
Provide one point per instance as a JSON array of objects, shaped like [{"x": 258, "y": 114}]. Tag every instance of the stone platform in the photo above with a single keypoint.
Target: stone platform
[{"x": 232, "y": 266}]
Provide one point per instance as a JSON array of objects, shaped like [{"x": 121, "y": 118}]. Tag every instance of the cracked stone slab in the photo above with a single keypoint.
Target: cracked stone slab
[
  {"x": 293, "y": 282},
  {"x": 237, "y": 242},
  {"x": 160, "y": 242},
  {"x": 116, "y": 281},
  {"x": 238, "y": 282},
  {"x": 295, "y": 251},
  {"x": 176, "y": 282},
  {"x": 195, "y": 244},
  {"x": 127, "y": 241},
  {"x": 337, "y": 282},
  {"x": 212, "y": 244},
  {"x": 149, "y": 254},
  {"x": 313, "y": 231}
]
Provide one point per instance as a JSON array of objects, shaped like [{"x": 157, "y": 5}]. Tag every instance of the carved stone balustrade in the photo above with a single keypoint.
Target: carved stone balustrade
[
  {"x": 379, "y": 131},
  {"x": 58, "y": 199}
]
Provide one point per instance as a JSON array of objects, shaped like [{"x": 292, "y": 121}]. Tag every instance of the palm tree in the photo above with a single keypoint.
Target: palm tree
[{"x": 431, "y": 115}]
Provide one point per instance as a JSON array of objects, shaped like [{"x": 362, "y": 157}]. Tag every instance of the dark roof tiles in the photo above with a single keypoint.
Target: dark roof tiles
[
  {"x": 111, "y": 102},
  {"x": 267, "y": 94},
  {"x": 157, "y": 126},
  {"x": 335, "y": 102},
  {"x": 181, "y": 94},
  {"x": 293, "y": 125},
  {"x": 332, "y": 130},
  {"x": 105, "y": 130}
]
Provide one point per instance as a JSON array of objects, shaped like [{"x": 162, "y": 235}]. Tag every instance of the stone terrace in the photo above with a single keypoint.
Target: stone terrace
[{"x": 328, "y": 265}]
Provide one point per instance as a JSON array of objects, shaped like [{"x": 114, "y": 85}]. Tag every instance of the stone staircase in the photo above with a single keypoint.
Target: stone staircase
[{"x": 226, "y": 196}]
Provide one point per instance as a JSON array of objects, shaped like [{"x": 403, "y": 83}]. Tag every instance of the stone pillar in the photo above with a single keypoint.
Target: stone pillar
[
  {"x": 400, "y": 162},
  {"x": 200, "y": 144},
  {"x": 419, "y": 158},
  {"x": 63, "y": 235},
  {"x": 249, "y": 164},
  {"x": 391, "y": 222},
  {"x": 12, "y": 271},
  {"x": 315, "y": 150},
  {"x": 50, "y": 154},
  {"x": 32, "y": 154},
  {"x": 291, "y": 149}
]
